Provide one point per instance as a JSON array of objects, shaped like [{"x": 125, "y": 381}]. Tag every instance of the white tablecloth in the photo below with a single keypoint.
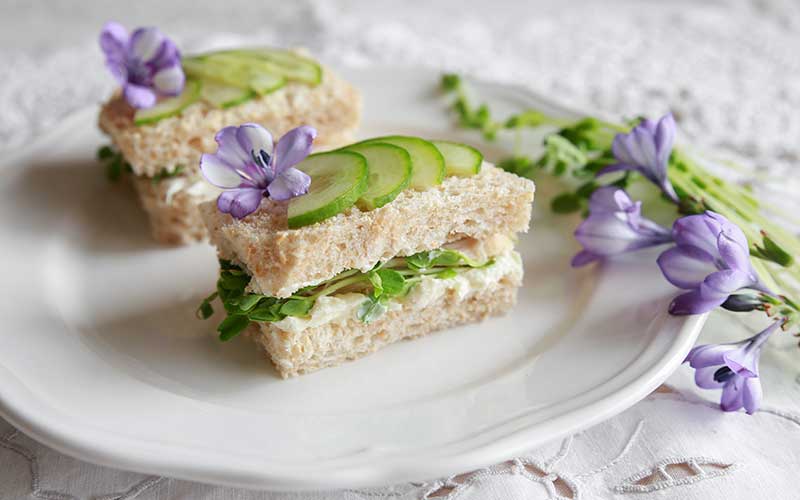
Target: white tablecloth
[{"x": 729, "y": 70}]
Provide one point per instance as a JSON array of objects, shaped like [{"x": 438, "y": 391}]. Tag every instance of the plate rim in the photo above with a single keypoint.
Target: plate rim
[{"x": 102, "y": 446}]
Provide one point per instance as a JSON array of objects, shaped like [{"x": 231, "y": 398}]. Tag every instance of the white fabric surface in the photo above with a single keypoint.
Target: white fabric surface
[{"x": 730, "y": 72}]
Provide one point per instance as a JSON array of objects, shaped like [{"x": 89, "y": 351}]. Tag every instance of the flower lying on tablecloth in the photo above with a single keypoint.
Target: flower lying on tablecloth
[{"x": 726, "y": 252}]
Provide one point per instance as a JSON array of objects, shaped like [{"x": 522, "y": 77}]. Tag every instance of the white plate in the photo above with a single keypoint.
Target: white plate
[{"x": 102, "y": 357}]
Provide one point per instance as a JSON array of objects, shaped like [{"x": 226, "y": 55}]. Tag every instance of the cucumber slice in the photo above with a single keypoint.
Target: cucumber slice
[
  {"x": 199, "y": 68},
  {"x": 460, "y": 159},
  {"x": 427, "y": 163},
  {"x": 234, "y": 72},
  {"x": 338, "y": 179},
  {"x": 389, "y": 173},
  {"x": 224, "y": 96},
  {"x": 281, "y": 62},
  {"x": 169, "y": 107}
]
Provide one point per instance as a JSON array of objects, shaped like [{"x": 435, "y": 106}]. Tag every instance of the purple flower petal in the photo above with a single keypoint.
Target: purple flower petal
[
  {"x": 606, "y": 234},
  {"x": 118, "y": 71},
  {"x": 229, "y": 150},
  {"x": 240, "y": 202},
  {"x": 686, "y": 266},
  {"x": 642, "y": 147},
  {"x": 139, "y": 96},
  {"x": 145, "y": 44},
  {"x": 735, "y": 255},
  {"x": 293, "y": 147},
  {"x": 254, "y": 138},
  {"x": 692, "y": 303},
  {"x": 621, "y": 151},
  {"x": 288, "y": 184},
  {"x": 732, "y": 394},
  {"x": 583, "y": 258},
  {"x": 114, "y": 41},
  {"x": 219, "y": 173},
  {"x": 703, "y": 356},
  {"x": 752, "y": 395},
  {"x": 704, "y": 378},
  {"x": 694, "y": 231},
  {"x": 170, "y": 80},
  {"x": 743, "y": 361},
  {"x": 665, "y": 137},
  {"x": 609, "y": 199},
  {"x": 721, "y": 284},
  {"x": 168, "y": 55}
]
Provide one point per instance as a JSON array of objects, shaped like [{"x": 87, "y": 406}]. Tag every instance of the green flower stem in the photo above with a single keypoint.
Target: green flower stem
[
  {"x": 721, "y": 198},
  {"x": 773, "y": 279},
  {"x": 339, "y": 285}
]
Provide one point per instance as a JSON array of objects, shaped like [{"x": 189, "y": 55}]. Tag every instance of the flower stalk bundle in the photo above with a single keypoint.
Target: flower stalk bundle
[{"x": 724, "y": 250}]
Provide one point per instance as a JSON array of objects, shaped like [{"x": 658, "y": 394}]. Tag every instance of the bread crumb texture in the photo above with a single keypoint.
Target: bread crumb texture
[
  {"x": 282, "y": 260},
  {"x": 332, "y": 344},
  {"x": 333, "y": 107}
]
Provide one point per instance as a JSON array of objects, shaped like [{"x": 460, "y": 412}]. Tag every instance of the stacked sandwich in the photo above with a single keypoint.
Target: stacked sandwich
[
  {"x": 160, "y": 144},
  {"x": 396, "y": 237}
]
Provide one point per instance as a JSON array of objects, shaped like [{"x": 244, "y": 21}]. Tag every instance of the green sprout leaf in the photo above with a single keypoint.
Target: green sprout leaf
[
  {"x": 392, "y": 281},
  {"x": 105, "y": 152},
  {"x": 167, "y": 174},
  {"x": 205, "y": 310},
  {"x": 529, "y": 118},
  {"x": 566, "y": 203},
  {"x": 248, "y": 302},
  {"x": 772, "y": 251},
  {"x": 371, "y": 309},
  {"x": 232, "y": 326},
  {"x": 297, "y": 307}
]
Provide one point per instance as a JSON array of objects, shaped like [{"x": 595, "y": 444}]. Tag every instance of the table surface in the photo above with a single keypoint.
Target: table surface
[{"x": 728, "y": 70}]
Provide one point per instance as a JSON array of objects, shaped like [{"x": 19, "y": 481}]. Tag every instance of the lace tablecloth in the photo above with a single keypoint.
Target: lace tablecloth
[{"x": 729, "y": 70}]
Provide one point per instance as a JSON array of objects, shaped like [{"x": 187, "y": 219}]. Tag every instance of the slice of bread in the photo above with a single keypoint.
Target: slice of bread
[
  {"x": 283, "y": 260},
  {"x": 331, "y": 344},
  {"x": 172, "y": 207},
  {"x": 333, "y": 107}
]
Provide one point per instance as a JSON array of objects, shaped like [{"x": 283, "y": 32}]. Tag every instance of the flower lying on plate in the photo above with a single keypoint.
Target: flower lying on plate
[
  {"x": 646, "y": 150},
  {"x": 711, "y": 259},
  {"x": 615, "y": 225},
  {"x": 145, "y": 63},
  {"x": 248, "y": 168}
]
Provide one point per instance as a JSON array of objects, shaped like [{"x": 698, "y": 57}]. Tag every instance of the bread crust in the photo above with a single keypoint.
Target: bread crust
[
  {"x": 332, "y": 344},
  {"x": 283, "y": 260},
  {"x": 172, "y": 209},
  {"x": 333, "y": 107}
]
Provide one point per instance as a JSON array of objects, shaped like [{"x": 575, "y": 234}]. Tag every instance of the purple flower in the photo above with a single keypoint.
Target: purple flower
[
  {"x": 733, "y": 368},
  {"x": 711, "y": 259},
  {"x": 246, "y": 166},
  {"x": 615, "y": 225},
  {"x": 646, "y": 149},
  {"x": 146, "y": 64}
]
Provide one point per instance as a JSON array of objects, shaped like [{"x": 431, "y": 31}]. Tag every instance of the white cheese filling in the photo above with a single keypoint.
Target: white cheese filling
[
  {"x": 199, "y": 189},
  {"x": 340, "y": 308}
]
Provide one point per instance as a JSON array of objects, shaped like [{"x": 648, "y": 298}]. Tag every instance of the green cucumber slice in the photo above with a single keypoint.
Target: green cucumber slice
[
  {"x": 427, "y": 163},
  {"x": 169, "y": 107},
  {"x": 199, "y": 68},
  {"x": 459, "y": 159},
  {"x": 389, "y": 173},
  {"x": 224, "y": 96},
  {"x": 338, "y": 179},
  {"x": 281, "y": 62},
  {"x": 234, "y": 72}
]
